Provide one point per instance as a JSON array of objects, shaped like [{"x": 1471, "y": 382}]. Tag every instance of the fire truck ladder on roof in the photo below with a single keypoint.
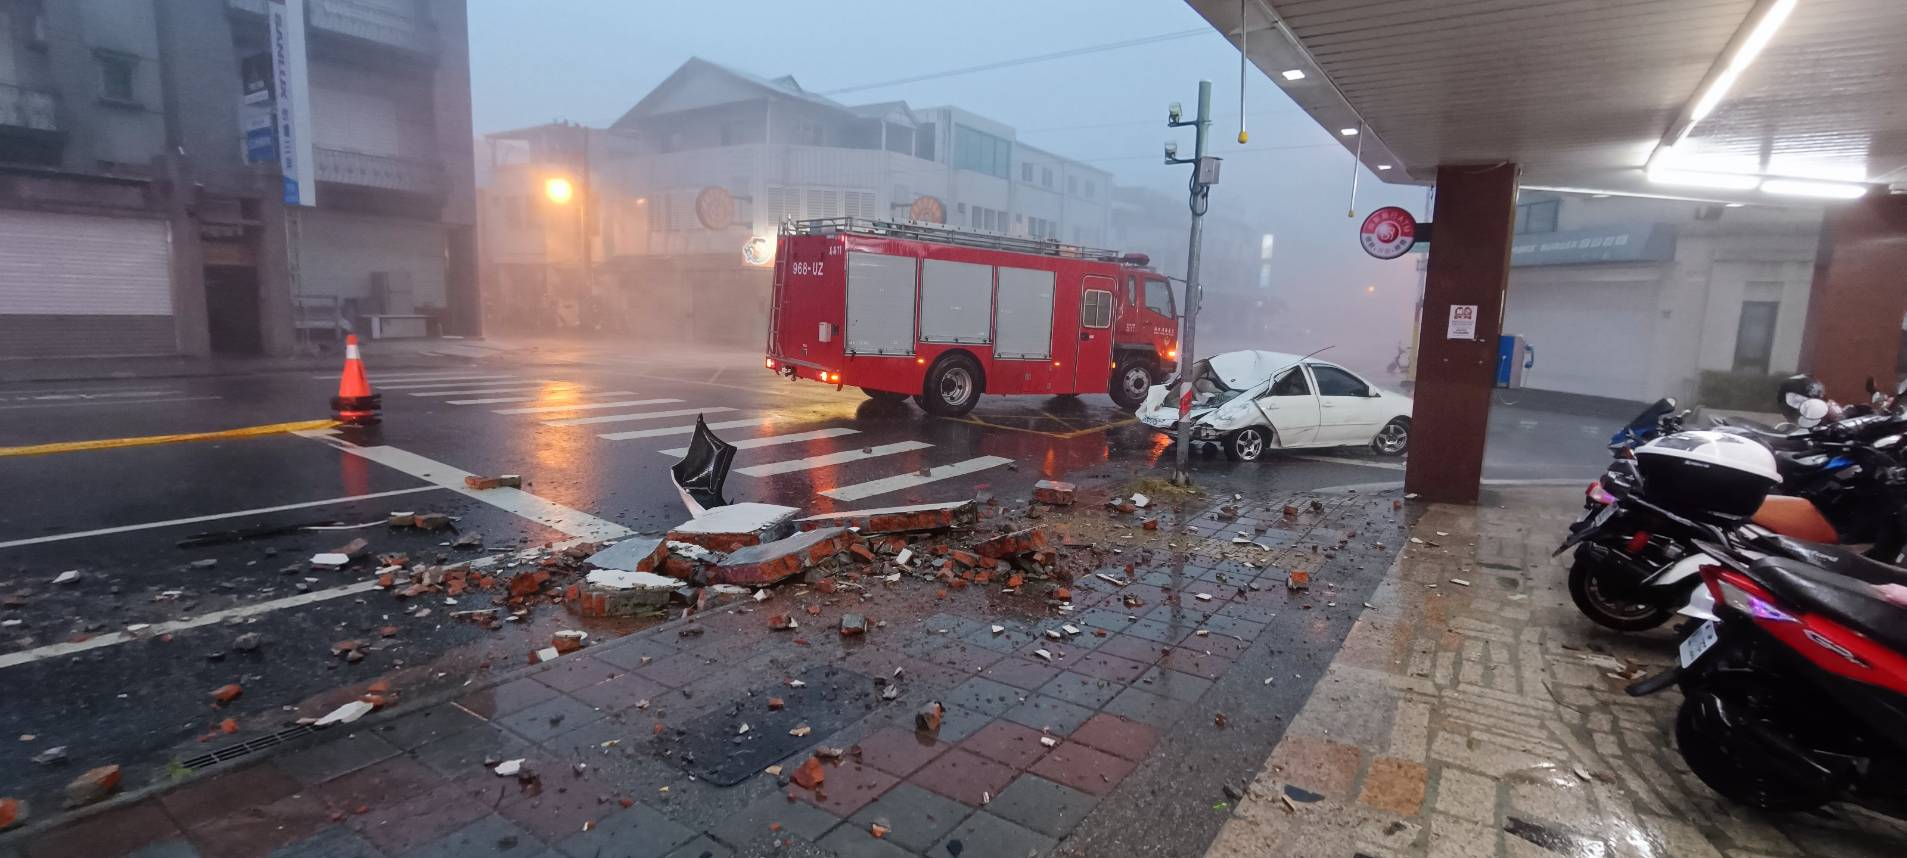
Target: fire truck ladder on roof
[{"x": 948, "y": 235}]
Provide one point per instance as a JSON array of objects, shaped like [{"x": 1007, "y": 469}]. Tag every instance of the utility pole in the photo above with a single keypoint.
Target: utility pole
[{"x": 1204, "y": 176}]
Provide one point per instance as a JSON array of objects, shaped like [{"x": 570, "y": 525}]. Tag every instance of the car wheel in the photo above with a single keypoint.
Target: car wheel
[
  {"x": 883, "y": 395},
  {"x": 1131, "y": 382},
  {"x": 1248, "y": 444},
  {"x": 952, "y": 388},
  {"x": 1393, "y": 439}
]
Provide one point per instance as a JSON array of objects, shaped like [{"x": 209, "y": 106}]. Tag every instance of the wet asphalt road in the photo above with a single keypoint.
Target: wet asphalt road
[{"x": 145, "y": 702}]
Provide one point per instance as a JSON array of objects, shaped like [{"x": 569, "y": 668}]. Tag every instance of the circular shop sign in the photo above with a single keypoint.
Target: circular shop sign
[
  {"x": 714, "y": 208},
  {"x": 758, "y": 251},
  {"x": 1388, "y": 233},
  {"x": 927, "y": 210}
]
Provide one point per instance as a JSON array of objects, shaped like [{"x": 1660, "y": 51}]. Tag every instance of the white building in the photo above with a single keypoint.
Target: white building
[
  {"x": 713, "y": 159},
  {"x": 1638, "y": 298}
]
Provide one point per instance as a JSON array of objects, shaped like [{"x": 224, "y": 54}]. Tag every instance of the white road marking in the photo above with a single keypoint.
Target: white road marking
[
  {"x": 679, "y": 430},
  {"x": 1361, "y": 463},
  {"x": 460, "y": 381},
  {"x": 643, "y": 415},
  {"x": 515, "y": 501},
  {"x": 407, "y": 376},
  {"x": 29, "y": 656},
  {"x": 585, "y": 406},
  {"x": 841, "y": 458},
  {"x": 513, "y": 387},
  {"x": 771, "y": 440},
  {"x": 495, "y": 400},
  {"x": 84, "y": 396},
  {"x": 907, "y": 481},
  {"x": 108, "y": 402},
  {"x": 59, "y": 537}
]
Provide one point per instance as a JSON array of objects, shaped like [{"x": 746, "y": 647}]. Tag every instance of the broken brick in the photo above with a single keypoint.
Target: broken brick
[
  {"x": 354, "y": 549},
  {"x": 387, "y": 632},
  {"x": 1014, "y": 581},
  {"x": 1298, "y": 579},
  {"x": 525, "y": 584},
  {"x": 825, "y": 585},
  {"x": 927, "y": 719},
  {"x": 228, "y": 726},
  {"x": 918, "y": 518},
  {"x": 1063, "y": 594},
  {"x": 861, "y": 551},
  {"x": 227, "y": 693},
  {"x": 1054, "y": 492},
  {"x": 853, "y": 624},
  {"x": 809, "y": 775},
  {"x": 511, "y": 481},
  {"x": 92, "y": 786},
  {"x": 1012, "y": 544},
  {"x": 775, "y": 704},
  {"x": 769, "y": 562},
  {"x": 1150, "y": 524},
  {"x": 431, "y": 521},
  {"x": 346, "y": 647},
  {"x": 729, "y": 528},
  {"x": 12, "y": 812}
]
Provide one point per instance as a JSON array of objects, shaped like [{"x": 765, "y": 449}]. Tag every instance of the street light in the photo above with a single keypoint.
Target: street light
[{"x": 558, "y": 190}]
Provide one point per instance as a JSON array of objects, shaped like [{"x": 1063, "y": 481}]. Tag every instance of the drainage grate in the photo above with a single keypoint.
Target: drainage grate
[{"x": 249, "y": 746}]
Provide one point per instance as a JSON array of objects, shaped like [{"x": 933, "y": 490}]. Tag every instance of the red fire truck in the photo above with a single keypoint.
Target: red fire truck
[{"x": 943, "y": 315}]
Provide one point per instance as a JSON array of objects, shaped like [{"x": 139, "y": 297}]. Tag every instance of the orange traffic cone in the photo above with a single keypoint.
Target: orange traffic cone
[{"x": 355, "y": 404}]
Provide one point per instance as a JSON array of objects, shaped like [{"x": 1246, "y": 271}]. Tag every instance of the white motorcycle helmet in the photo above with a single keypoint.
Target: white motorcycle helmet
[{"x": 1810, "y": 413}]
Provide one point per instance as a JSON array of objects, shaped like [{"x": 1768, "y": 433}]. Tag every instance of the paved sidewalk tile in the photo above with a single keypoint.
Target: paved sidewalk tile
[
  {"x": 1042, "y": 805},
  {"x": 964, "y": 776},
  {"x": 330, "y": 759},
  {"x": 549, "y": 718},
  {"x": 849, "y": 841},
  {"x": 986, "y": 834},
  {"x": 773, "y": 815},
  {"x": 1082, "y": 768},
  {"x": 509, "y": 697},
  {"x": 334, "y": 842},
  {"x": 701, "y": 847},
  {"x": 489, "y": 837},
  {"x": 637, "y": 832},
  {"x": 418, "y": 728},
  {"x": 214, "y": 795},
  {"x": 915, "y": 817},
  {"x": 1122, "y": 737}
]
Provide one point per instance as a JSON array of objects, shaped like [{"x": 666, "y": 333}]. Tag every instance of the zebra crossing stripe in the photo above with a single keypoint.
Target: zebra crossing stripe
[
  {"x": 463, "y": 381},
  {"x": 494, "y": 400},
  {"x": 824, "y": 460},
  {"x": 587, "y": 406},
  {"x": 678, "y": 430},
  {"x": 907, "y": 481},
  {"x": 408, "y": 376},
  {"x": 511, "y": 387},
  {"x": 771, "y": 440},
  {"x": 643, "y": 415}
]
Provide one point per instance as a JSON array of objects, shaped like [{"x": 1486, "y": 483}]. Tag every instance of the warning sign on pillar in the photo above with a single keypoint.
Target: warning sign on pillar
[{"x": 1463, "y": 322}]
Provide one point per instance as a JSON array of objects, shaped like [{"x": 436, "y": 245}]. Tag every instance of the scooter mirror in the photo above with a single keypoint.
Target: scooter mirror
[
  {"x": 1811, "y": 413},
  {"x": 1888, "y": 443}
]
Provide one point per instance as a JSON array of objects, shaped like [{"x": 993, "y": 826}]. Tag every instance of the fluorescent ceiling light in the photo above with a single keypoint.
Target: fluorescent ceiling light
[
  {"x": 1292, "y": 74},
  {"x": 1733, "y": 205},
  {"x": 1347, "y": 132},
  {"x": 1827, "y": 190},
  {"x": 1699, "y": 179},
  {"x": 1745, "y": 53},
  {"x": 1383, "y": 166}
]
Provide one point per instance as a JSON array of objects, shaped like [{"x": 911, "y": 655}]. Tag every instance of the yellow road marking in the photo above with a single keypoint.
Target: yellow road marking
[
  {"x": 1063, "y": 436},
  {"x": 148, "y": 440}
]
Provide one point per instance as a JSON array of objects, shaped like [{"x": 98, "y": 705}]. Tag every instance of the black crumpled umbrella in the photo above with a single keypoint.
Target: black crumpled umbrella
[{"x": 700, "y": 474}]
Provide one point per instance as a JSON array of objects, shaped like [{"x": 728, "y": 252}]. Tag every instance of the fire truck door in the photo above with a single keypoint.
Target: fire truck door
[{"x": 1092, "y": 364}]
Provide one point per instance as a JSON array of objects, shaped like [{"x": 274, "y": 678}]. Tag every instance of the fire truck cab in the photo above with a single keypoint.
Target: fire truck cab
[{"x": 943, "y": 315}]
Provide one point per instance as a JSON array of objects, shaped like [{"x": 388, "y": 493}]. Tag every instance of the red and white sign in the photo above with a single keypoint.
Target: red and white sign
[{"x": 1388, "y": 233}]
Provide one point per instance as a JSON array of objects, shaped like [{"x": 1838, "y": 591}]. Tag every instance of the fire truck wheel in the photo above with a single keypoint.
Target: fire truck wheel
[
  {"x": 1131, "y": 381},
  {"x": 884, "y": 395},
  {"x": 952, "y": 388}
]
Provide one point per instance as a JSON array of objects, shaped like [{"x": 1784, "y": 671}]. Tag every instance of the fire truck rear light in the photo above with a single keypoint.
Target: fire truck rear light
[
  {"x": 1056, "y": 363},
  {"x": 1171, "y": 354},
  {"x": 832, "y": 377},
  {"x": 921, "y": 361},
  {"x": 768, "y": 363}
]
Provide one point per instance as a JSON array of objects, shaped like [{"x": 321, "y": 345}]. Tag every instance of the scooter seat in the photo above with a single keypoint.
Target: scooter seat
[
  {"x": 1845, "y": 599},
  {"x": 1836, "y": 559}
]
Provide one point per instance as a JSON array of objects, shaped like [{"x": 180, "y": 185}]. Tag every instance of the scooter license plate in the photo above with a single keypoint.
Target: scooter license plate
[{"x": 1699, "y": 642}]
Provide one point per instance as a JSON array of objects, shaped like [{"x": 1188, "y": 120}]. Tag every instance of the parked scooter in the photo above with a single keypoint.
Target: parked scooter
[
  {"x": 1630, "y": 571},
  {"x": 1795, "y": 692}
]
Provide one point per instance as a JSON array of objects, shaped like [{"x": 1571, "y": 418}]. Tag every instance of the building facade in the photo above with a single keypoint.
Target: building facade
[
  {"x": 669, "y": 229},
  {"x": 1639, "y": 298},
  {"x": 142, "y": 209}
]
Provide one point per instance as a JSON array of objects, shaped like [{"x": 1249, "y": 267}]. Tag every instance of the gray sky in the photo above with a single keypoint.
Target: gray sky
[{"x": 590, "y": 60}]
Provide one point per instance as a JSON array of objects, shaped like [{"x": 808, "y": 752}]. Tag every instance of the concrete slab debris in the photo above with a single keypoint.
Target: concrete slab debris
[
  {"x": 916, "y": 518},
  {"x": 639, "y": 554},
  {"x": 769, "y": 562},
  {"x": 727, "y": 528}
]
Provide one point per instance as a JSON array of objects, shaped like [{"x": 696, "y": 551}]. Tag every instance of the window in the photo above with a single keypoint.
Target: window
[
  {"x": 1091, "y": 188},
  {"x": 808, "y": 134},
  {"x": 733, "y": 133},
  {"x": 981, "y": 152},
  {"x": 116, "y": 77},
  {"x": 1336, "y": 382},
  {"x": 1026, "y": 172},
  {"x": 1046, "y": 177},
  {"x": 1132, "y": 291},
  {"x": 924, "y": 141},
  {"x": 1096, "y": 309},
  {"x": 1072, "y": 185},
  {"x": 1159, "y": 297},
  {"x": 1292, "y": 383},
  {"x": 1755, "y": 335},
  {"x": 1537, "y": 217},
  {"x": 977, "y": 219}
]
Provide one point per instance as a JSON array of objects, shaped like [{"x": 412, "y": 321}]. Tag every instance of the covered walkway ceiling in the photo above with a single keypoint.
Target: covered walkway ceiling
[{"x": 1588, "y": 94}]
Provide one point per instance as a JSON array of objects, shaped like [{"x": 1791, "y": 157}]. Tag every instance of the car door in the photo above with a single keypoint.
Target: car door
[
  {"x": 1291, "y": 408},
  {"x": 1347, "y": 408}
]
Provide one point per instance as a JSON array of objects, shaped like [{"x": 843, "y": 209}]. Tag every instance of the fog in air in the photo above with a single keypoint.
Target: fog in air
[{"x": 600, "y": 125}]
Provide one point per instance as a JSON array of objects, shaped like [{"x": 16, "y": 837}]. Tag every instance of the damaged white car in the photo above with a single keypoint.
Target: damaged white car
[{"x": 1250, "y": 402}]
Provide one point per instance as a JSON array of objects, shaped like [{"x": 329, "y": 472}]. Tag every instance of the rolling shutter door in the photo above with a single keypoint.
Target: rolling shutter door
[{"x": 77, "y": 285}]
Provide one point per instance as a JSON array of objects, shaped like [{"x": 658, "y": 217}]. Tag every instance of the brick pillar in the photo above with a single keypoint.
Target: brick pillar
[
  {"x": 1859, "y": 296},
  {"x": 1469, "y": 264}
]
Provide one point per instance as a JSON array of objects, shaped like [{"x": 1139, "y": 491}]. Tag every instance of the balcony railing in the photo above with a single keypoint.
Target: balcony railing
[
  {"x": 30, "y": 109},
  {"x": 395, "y": 23},
  {"x": 379, "y": 171}
]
